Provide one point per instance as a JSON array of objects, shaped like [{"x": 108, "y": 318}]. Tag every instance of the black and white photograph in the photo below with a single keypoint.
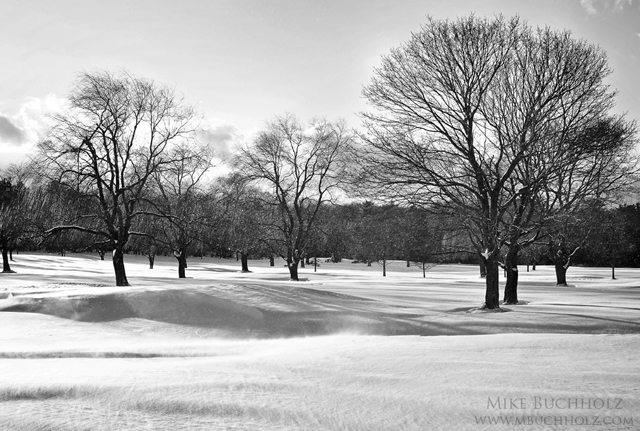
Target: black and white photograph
[{"x": 389, "y": 215}]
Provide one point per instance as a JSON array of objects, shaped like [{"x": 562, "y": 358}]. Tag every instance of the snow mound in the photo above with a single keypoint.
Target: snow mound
[
  {"x": 176, "y": 306},
  {"x": 227, "y": 310},
  {"x": 219, "y": 301}
]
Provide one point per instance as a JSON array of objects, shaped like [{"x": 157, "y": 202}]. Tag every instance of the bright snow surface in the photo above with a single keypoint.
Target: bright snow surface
[{"x": 344, "y": 349}]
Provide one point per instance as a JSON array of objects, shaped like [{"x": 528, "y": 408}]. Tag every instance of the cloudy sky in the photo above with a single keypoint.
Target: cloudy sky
[{"x": 244, "y": 61}]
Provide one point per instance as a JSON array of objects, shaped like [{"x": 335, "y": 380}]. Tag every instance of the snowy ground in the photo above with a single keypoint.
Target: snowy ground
[{"x": 346, "y": 349}]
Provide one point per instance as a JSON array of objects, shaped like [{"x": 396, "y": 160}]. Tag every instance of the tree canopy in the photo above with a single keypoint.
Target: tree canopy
[
  {"x": 117, "y": 133},
  {"x": 498, "y": 123}
]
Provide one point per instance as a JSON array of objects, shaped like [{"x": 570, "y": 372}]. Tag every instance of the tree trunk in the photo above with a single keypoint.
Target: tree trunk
[
  {"x": 302, "y": 263},
  {"x": 151, "y": 254},
  {"x": 483, "y": 268},
  {"x": 408, "y": 263},
  {"x": 182, "y": 262},
  {"x": 613, "y": 271},
  {"x": 384, "y": 267},
  {"x": 271, "y": 261},
  {"x": 561, "y": 272},
  {"x": 511, "y": 267},
  {"x": 6, "y": 268},
  {"x": 293, "y": 270},
  {"x": 492, "y": 293},
  {"x": 101, "y": 254},
  {"x": 118, "y": 266},
  {"x": 561, "y": 260},
  {"x": 244, "y": 259},
  {"x": 424, "y": 269},
  {"x": 511, "y": 261}
]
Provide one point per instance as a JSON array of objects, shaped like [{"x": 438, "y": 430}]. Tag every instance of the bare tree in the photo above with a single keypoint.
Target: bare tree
[
  {"x": 21, "y": 207},
  {"x": 245, "y": 217},
  {"x": 301, "y": 168},
  {"x": 593, "y": 179},
  {"x": 552, "y": 99},
  {"x": 178, "y": 201},
  {"x": 478, "y": 118},
  {"x": 13, "y": 217},
  {"x": 381, "y": 233},
  {"x": 114, "y": 137}
]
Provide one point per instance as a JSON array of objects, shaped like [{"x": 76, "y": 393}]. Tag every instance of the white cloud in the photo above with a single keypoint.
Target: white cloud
[
  {"x": 33, "y": 116},
  {"x": 588, "y": 5},
  {"x": 615, "y": 5},
  {"x": 220, "y": 136},
  {"x": 620, "y": 4},
  {"x": 20, "y": 131}
]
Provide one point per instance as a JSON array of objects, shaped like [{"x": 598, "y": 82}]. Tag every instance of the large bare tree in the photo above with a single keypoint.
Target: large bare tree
[
  {"x": 477, "y": 118},
  {"x": 302, "y": 168},
  {"x": 115, "y": 135},
  {"x": 550, "y": 106}
]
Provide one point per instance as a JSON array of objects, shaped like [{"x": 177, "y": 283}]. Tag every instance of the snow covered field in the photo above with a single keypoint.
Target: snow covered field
[{"x": 346, "y": 349}]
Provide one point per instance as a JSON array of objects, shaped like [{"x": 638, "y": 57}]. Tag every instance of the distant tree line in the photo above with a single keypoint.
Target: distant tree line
[{"x": 233, "y": 219}]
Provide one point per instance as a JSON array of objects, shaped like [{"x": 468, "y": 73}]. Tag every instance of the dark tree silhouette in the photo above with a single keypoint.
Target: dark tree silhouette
[
  {"x": 107, "y": 146},
  {"x": 13, "y": 217},
  {"x": 481, "y": 118},
  {"x": 302, "y": 168}
]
